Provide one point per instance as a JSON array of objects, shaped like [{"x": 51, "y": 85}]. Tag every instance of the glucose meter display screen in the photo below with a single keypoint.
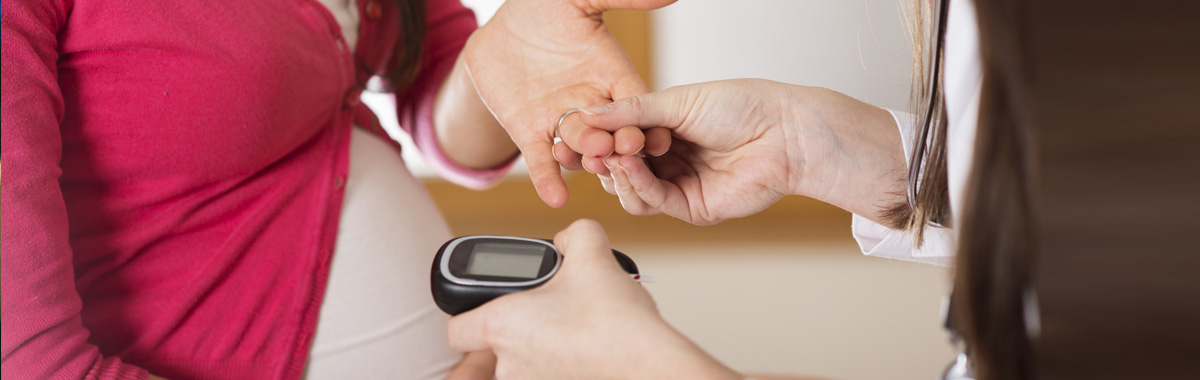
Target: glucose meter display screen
[{"x": 506, "y": 260}]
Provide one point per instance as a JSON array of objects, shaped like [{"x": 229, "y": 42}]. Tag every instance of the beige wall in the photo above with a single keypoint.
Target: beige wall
[{"x": 817, "y": 308}]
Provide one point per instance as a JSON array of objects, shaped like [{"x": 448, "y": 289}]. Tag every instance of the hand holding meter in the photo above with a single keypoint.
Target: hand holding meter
[{"x": 471, "y": 270}]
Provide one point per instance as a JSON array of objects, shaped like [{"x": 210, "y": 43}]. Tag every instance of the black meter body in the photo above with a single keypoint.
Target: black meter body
[{"x": 471, "y": 270}]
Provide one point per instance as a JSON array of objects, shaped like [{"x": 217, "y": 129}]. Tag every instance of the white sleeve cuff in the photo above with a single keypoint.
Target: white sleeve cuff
[{"x": 876, "y": 240}]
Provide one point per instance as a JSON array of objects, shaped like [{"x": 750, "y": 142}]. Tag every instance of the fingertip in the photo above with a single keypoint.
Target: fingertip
[
  {"x": 595, "y": 165},
  {"x": 630, "y": 162},
  {"x": 606, "y": 182},
  {"x": 596, "y": 143},
  {"x": 552, "y": 190},
  {"x": 613, "y": 161},
  {"x": 583, "y": 235},
  {"x": 658, "y": 141},
  {"x": 628, "y": 140},
  {"x": 566, "y": 157},
  {"x": 586, "y": 225}
]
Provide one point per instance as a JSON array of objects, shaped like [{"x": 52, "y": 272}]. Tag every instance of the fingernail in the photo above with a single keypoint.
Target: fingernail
[
  {"x": 597, "y": 110},
  {"x": 613, "y": 161}
]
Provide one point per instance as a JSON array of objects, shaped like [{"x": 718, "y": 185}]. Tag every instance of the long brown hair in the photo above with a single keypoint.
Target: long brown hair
[
  {"x": 1083, "y": 191},
  {"x": 931, "y": 202},
  {"x": 406, "y": 59},
  {"x": 996, "y": 228},
  {"x": 997, "y": 241}
]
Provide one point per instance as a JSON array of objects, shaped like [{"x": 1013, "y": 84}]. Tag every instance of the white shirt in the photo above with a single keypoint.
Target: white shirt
[{"x": 964, "y": 79}]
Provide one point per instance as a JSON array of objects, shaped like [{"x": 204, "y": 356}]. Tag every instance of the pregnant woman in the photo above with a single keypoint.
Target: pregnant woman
[{"x": 195, "y": 190}]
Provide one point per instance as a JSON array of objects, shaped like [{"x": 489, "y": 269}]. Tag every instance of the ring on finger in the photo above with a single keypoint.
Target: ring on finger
[{"x": 557, "y": 137}]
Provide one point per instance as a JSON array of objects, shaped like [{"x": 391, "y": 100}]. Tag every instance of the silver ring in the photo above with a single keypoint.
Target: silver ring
[{"x": 560, "y": 120}]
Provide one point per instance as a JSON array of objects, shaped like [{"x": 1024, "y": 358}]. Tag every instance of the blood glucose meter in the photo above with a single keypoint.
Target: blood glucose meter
[{"x": 471, "y": 270}]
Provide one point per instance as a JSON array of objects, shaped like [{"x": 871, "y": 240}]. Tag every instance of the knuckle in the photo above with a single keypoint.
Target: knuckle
[{"x": 636, "y": 104}]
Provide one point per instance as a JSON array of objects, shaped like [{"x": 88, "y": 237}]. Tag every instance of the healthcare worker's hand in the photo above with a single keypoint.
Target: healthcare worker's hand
[
  {"x": 536, "y": 59},
  {"x": 741, "y": 145},
  {"x": 590, "y": 321},
  {"x": 478, "y": 365}
]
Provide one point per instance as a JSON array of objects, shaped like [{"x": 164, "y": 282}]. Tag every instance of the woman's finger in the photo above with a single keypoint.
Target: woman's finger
[
  {"x": 545, "y": 173},
  {"x": 589, "y": 142},
  {"x": 595, "y": 165},
  {"x": 629, "y": 140},
  {"x": 569, "y": 159}
]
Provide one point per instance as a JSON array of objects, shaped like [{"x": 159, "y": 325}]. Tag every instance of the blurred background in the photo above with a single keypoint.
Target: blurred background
[{"x": 783, "y": 292}]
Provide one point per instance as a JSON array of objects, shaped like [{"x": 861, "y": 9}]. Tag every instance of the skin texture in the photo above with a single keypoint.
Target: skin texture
[
  {"x": 563, "y": 57},
  {"x": 741, "y": 145},
  {"x": 466, "y": 130},
  {"x": 590, "y": 321}
]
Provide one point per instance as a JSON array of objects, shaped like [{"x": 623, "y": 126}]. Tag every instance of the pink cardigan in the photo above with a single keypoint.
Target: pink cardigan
[{"x": 175, "y": 172}]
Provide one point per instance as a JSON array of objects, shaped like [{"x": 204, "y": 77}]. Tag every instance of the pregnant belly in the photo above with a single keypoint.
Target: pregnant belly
[{"x": 378, "y": 317}]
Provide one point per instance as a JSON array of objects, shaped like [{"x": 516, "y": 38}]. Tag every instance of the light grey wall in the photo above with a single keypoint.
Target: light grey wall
[{"x": 858, "y": 47}]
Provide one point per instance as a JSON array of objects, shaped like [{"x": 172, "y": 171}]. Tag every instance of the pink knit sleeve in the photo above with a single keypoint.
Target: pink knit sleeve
[
  {"x": 42, "y": 335},
  {"x": 448, "y": 25}
]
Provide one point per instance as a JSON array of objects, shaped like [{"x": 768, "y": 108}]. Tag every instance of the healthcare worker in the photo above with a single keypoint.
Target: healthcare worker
[
  {"x": 740, "y": 146},
  {"x": 1063, "y": 157}
]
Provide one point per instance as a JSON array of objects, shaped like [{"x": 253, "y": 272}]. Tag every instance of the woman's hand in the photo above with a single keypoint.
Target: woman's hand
[
  {"x": 589, "y": 321},
  {"x": 741, "y": 145},
  {"x": 535, "y": 60}
]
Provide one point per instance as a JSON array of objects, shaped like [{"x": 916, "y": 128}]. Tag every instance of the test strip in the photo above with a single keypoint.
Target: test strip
[{"x": 642, "y": 278}]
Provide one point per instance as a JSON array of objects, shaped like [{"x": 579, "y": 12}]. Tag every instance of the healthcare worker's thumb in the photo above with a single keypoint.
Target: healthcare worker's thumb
[
  {"x": 584, "y": 244},
  {"x": 667, "y": 108}
]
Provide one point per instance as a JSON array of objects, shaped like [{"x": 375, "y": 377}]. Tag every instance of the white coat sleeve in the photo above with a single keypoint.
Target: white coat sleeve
[{"x": 876, "y": 240}]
